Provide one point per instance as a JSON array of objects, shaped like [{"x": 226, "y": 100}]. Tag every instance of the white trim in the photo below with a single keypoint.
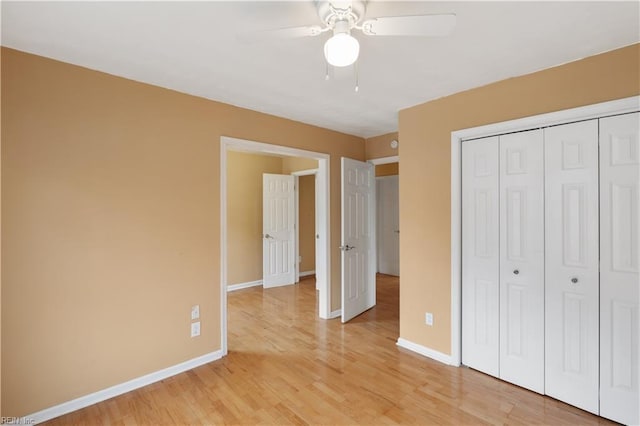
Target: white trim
[
  {"x": 223, "y": 248},
  {"x": 620, "y": 106},
  {"x": 384, "y": 160},
  {"x": 240, "y": 286},
  {"x": 335, "y": 314},
  {"x": 307, "y": 172},
  {"x": 94, "y": 398},
  {"x": 296, "y": 227},
  {"x": 456, "y": 252},
  {"x": 424, "y": 351},
  {"x": 307, "y": 273}
]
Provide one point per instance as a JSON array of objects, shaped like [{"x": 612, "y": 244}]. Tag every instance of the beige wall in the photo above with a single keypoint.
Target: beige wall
[
  {"x": 110, "y": 220},
  {"x": 244, "y": 213},
  {"x": 389, "y": 169},
  {"x": 380, "y": 146},
  {"x": 297, "y": 164},
  {"x": 425, "y": 131},
  {"x": 307, "y": 215}
]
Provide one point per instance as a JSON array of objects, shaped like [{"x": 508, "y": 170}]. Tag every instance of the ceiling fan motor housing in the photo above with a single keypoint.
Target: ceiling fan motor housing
[{"x": 332, "y": 12}]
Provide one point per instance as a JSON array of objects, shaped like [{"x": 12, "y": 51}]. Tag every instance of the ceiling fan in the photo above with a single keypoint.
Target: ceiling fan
[{"x": 342, "y": 17}]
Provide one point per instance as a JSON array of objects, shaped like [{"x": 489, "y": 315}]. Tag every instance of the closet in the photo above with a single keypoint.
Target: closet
[{"x": 550, "y": 283}]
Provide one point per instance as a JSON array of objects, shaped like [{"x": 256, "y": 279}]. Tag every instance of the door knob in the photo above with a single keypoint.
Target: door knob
[
  {"x": 268, "y": 236},
  {"x": 346, "y": 248},
  {"x": 516, "y": 272},
  {"x": 397, "y": 232},
  {"x": 574, "y": 280}
]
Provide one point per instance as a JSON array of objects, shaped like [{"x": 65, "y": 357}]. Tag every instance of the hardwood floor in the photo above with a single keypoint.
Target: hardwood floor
[{"x": 285, "y": 366}]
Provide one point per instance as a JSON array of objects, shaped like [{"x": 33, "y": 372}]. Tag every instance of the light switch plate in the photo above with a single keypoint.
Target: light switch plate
[{"x": 195, "y": 312}]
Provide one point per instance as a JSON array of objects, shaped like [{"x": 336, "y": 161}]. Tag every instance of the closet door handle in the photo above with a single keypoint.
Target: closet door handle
[{"x": 516, "y": 272}]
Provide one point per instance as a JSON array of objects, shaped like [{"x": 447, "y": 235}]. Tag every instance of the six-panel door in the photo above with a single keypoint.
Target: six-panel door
[
  {"x": 571, "y": 264},
  {"x": 619, "y": 258},
  {"x": 522, "y": 259},
  {"x": 480, "y": 253}
]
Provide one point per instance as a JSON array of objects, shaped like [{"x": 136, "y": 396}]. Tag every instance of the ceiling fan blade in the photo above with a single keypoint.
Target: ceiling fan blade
[
  {"x": 282, "y": 33},
  {"x": 420, "y": 25}
]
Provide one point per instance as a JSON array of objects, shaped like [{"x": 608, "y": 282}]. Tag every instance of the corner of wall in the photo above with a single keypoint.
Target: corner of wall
[{"x": 380, "y": 146}]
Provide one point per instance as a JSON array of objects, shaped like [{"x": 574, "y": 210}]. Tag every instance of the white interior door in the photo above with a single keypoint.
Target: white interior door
[
  {"x": 522, "y": 259},
  {"x": 388, "y": 239},
  {"x": 480, "y": 255},
  {"x": 571, "y": 264},
  {"x": 358, "y": 238},
  {"x": 619, "y": 258},
  {"x": 278, "y": 236}
]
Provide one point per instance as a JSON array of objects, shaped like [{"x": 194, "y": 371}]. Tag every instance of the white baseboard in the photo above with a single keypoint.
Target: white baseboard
[
  {"x": 306, "y": 273},
  {"x": 94, "y": 398},
  {"x": 234, "y": 287},
  {"x": 424, "y": 351},
  {"x": 335, "y": 314}
]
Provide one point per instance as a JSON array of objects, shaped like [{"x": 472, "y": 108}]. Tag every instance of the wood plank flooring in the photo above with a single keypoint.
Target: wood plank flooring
[{"x": 285, "y": 366}]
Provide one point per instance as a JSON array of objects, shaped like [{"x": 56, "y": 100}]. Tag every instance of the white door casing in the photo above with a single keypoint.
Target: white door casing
[
  {"x": 278, "y": 236},
  {"x": 388, "y": 237},
  {"x": 358, "y": 238},
  {"x": 522, "y": 259},
  {"x": 319, "y": 271},
  {"x": 571, "y": 264},
  {"x": 619, "y": 259},
  {"x": 480, "y": 255}
]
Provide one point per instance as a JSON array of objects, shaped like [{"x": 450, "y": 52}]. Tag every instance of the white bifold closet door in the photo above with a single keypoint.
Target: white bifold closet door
[
  {"x": 480, "y": 251},
  {"x": 571, "y": 264},
  {"x": 503, "y": 257},
  {"x": 619, "y": 258},
  {"x": 522, "y": 259}
]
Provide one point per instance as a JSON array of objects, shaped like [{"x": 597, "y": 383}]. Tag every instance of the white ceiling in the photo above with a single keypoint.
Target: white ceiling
[{"x": 192, "y": 47}]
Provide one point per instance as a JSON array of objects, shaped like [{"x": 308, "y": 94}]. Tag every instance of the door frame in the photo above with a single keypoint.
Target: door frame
[
  {"x": 619, "y": 106},
  {"x": 385, "y": 160},
  {"x": 323, "y": 256},
  {"x": 296, "y": 180}
]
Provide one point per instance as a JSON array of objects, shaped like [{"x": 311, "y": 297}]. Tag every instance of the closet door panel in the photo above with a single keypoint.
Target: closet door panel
[
  {"x": 522, "y": 259},
  {"x": 571, "y": 264},
  {"x": 480, "y": 255},
  {"x": 619, "y": 258}
]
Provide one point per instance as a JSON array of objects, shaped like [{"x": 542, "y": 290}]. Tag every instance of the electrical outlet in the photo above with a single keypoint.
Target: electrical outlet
[
  {"x": 195, "y": 312},
  {"x": 428, "y": 318},
  {"x": 195, "y": 329}
]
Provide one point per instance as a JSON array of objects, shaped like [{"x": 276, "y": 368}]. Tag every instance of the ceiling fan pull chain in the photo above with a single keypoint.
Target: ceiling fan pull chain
[
  {"x": 326, "y": 76},
  {"x": 355, "y": 69}
]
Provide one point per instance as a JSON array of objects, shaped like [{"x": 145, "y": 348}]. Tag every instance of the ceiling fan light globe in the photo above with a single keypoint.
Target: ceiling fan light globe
[{"x": 341, "y": 50}]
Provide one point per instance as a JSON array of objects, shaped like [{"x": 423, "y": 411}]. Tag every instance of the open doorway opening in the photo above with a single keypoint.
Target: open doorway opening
[
  {"x": 236, "y": 273},
  {"x": 307, "y": 226},
  {"x": 387, "y": 216}
]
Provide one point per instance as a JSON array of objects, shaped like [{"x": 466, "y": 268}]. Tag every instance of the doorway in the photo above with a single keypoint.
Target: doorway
[
  {"x": 387, "y": 215},
  {"x": 322, "y": 257}
]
